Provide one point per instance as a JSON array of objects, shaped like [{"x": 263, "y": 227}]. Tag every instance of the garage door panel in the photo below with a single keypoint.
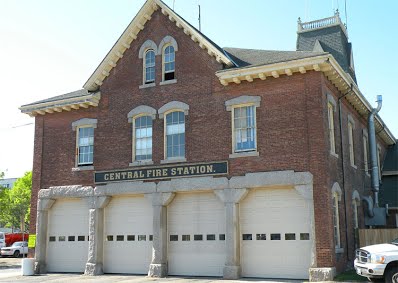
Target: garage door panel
[
  {"x": 67, "y": 249},
  {"x": 196, "y": 214},
  {"x": 282, "y": 215},
  {"x": 130, "y": 218}
]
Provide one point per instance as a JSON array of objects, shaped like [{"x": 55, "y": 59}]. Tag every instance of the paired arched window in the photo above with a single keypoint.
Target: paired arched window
[{"x": 148, "y": 51}]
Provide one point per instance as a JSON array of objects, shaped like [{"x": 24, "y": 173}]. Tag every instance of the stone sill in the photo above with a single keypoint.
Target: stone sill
[
  {"x": 244, "y": 154},
  {"x": 141, "y": 163},
  {"x": 354, "y": 166},
  {"x": 173, "y": 160},
  {"x": 82, "y": 168},
  {"x": 334, "y": 154},
  {"x": 147, "y": 85},
  {"x": 168, "y": 82}
]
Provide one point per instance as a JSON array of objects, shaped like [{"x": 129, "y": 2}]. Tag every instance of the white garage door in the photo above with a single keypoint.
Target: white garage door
[
  {"x": 67, "y": 248},
  {"x": 128, "y": 235},
  {"x": 275, "y": 234},
  {"x": 196, "y": 228}
]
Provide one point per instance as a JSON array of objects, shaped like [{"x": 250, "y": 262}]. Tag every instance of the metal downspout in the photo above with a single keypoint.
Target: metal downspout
[{"x": 375, "y": 178}]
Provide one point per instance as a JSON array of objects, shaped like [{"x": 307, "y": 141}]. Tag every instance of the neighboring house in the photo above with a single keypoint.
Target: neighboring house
[
  {"x": 389, "y": 186},
  {"x": 8, "y": 183},
  {"x": 181, "y": 157}
]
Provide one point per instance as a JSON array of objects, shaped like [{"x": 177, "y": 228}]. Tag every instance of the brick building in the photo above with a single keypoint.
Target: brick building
[{"x": 183, "y": 158}]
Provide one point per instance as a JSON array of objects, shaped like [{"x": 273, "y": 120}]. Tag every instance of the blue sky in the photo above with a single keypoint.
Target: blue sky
[{"x": 50, "y": 47}]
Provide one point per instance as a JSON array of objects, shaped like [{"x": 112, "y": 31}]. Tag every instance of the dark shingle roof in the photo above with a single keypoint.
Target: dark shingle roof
[
  {"x": 254, "y": 57},
  {"x": 73, "y": 94}
]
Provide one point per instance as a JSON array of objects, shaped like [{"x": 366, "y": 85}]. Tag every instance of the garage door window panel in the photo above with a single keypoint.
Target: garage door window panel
[
  {"x": 290, "y": 236},
  {"x": 247, "y": 237},
  {"x": 52, "y": 239},
  {"x": 71, "y": 238},
  {"x": 109, "y": 238},
  {"x": 261, "y": 237}
]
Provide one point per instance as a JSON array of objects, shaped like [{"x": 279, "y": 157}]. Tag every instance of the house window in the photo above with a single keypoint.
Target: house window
[
  {"x": 244, "y": 125},
  {"x": 168, "y": 63},
  {"x": 356, "y": 201},
  {"x": 84, "y": 142},
  {"x": 336, "y": 220},
  {"x": 142, "y": 138},
  {"x": 365, "y": 153},
  {"x": 331, "y": 128},
  {"x": 174, "y": 114},
  {"x": 351, "y": 143},
  {"x": 149, "y": 68},
  {"x": 85, "y": 146},
  {"x": 175, "y": 134}
]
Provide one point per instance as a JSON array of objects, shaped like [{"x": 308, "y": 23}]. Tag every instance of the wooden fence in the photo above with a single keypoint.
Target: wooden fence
[{"x": 376, "y": 236}]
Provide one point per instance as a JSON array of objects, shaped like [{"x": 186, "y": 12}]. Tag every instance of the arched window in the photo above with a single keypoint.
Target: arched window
[
  {"x": 336, "y": 198},
  {"x": 168, "y": 63},
  {"x": 175, "y": 134},
  {"x": 149, "y": 68}
]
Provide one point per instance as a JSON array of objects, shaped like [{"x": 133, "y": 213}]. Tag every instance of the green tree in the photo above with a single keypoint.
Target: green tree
[{"x": 15, "y": 203}]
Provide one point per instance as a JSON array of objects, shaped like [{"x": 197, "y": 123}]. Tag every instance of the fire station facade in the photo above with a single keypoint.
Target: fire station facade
[{"x": 179, "y": 157}]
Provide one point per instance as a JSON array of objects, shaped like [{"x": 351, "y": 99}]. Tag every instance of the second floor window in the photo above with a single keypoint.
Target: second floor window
[
  {"x": 85, "y": 145},
  {"x": 331, "y": 128},
  {"x": 351, "y": 143},
  {"x": 244, "y": 119},
  {"x": 149, "y": 66},
  {"x": 143, "y": 138},
  {"x": 175, "y": 134},
  {"x": 169, "y": 63}
]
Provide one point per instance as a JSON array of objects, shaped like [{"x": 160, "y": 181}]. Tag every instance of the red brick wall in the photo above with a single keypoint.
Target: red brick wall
[{"x": 292, "y": 128}]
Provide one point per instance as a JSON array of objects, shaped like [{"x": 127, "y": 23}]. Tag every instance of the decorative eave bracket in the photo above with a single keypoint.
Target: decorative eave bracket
[
  {"x": 324, "y": 63},
  {"x": 85, "y": 101}
]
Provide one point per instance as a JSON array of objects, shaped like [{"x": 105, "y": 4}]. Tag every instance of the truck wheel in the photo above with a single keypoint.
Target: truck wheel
[
  {"x": 391, "y": 275},
  {"x": 16, "y": 254}
]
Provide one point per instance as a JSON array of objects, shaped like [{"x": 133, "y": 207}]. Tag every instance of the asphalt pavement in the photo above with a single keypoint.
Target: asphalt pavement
[{"x": 10, "y": 271}]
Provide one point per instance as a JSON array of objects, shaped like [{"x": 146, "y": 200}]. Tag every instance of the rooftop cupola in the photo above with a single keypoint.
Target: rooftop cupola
[{"x": 328, "y": 35}]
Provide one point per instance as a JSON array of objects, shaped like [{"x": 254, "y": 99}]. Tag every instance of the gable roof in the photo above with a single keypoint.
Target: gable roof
[{"x": 138, "y": 24}]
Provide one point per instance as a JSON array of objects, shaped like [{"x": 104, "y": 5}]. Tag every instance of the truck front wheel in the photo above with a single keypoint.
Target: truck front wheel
[{"x": 391, "y": 275}]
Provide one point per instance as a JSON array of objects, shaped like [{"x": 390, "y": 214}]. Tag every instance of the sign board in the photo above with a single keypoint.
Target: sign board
[
  {"x": 32, "y": 241},
  {"x": 162, "y": 172}
]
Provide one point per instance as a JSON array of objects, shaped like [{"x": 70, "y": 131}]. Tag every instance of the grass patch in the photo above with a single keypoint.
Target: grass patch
[{"x": 350, "y": 275}]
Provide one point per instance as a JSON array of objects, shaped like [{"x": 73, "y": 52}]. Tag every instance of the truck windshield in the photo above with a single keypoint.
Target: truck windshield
[{"x": 395, "y": 242}]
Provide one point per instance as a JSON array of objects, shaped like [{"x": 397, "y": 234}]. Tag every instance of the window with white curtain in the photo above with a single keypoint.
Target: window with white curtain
[{"x": 244, "y": 123}]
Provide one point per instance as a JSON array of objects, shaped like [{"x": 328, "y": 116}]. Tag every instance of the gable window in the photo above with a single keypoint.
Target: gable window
[
  {"x": 244, "y": 125},
  {"x": 336, "y": 198},
  {"x": 84, "y": 143},
  {"x": 174, "y": 114},
  {"x": 143, "y": 138},
  {"x": 168, "y": 63},
  {"x": 167, "y": 48},
  {"x": 351, "y": 126},
  {"x": 141, "y": 117},
  {"x": 175, "y": 134},
  {"x": 149, "y": 66}
]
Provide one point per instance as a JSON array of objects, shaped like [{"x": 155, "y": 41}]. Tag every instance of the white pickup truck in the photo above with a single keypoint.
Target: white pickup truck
[
  {"x": 379, "y": 263},
  {"x": 2, "y": 240}
]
